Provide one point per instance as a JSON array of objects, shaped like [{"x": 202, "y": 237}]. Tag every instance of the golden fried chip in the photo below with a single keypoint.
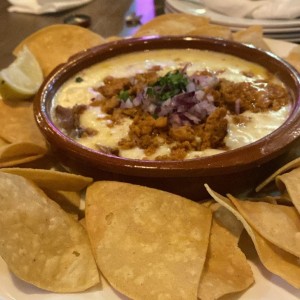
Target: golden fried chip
[
  {"x": 53, "y": 45},
  {"x": 40, "y": 243},
  {"x": 278, "y": 224},
  {"x": 273, "y": 258},
  {"x": 212, "y": 31},
  {"x": 284, "y": 199},
  {"x": 3, "y": 142},
  {"x": 82, "y": 222},
  {"x": 252, "y": 35},
  {"x": 171, "y": 24},
  {"x": 149, "y": 244},
  {"x": 290, "y": 182},
  {"x": 208, "y": 203},
  {"x": 17, "y": 123},
  {"x": 287, "y": 167},
  {"x": 226, "y": 269},
  {"x": 294, "y": 57},
  {"x": 50, "y": 179},
  {"x": 113, "y": 38},
  {"x": 19, "y": 153},
  {"x": 69, "y": 201}
]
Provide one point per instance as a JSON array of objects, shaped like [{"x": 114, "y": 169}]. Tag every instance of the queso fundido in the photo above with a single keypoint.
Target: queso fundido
[{"x": 170, "y": 104}]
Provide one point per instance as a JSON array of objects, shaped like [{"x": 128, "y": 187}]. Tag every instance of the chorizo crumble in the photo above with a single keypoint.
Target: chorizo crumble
[{"x": 186, "y": 112}]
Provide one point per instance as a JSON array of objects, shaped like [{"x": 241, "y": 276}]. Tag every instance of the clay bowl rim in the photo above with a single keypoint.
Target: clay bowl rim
[{"x": 230, "y": 161}]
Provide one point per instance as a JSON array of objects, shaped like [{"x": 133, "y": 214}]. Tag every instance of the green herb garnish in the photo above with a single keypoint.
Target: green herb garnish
[
  {"x": 78, "y": 79},
  {"x": 173, "y": 83},
  {"x": 124, "y": 95}
]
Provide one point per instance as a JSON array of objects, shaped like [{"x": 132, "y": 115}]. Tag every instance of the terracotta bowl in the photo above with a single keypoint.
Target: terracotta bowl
[{"x": 233, "y": 171}]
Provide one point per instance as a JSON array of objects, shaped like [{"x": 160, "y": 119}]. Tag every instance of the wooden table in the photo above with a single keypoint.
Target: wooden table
[{"x": 107, "y": 18}]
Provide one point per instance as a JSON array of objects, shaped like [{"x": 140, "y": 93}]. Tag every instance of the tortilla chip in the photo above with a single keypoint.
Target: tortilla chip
[
  {"x": 83, "y": 223},
  {"x": 284, "y": 199},
  {"x": 48, "y": 161},
  {"x": 252, "y": 35},
  {"x": 50, "y": 179},
  {"x": 17, "y": 123},
  {"x": 226, "y": 268},
  {"x": 149, "y": 244},
  {"x": 19, "y": 153},
  {"x": 278, "y": 224},
  {"x": 3, "y": 142},
  {"x": 171, "y": 24},
  {"x": 208, "y": 203},
  {"x": 113, "y": 38},
  {"x": 289, "y": 166},
  {"x": 53, "y": 45},
  {"x": 294, "y": 57},
  {"x": 40, "y": 243},
  {"x": 266, "y": 199},
  {"x": 69, "y": 201},
  {"x": 290, "y": 182},
  {"x": 212, "y": 31},
  {"x": 273, "y": 258}
]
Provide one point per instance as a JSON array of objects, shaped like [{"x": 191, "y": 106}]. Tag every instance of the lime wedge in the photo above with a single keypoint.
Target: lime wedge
[{"x": 22, "y": 79}]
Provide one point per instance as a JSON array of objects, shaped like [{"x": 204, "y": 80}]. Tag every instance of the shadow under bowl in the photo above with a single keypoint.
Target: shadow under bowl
[{"x": 233, "y": 171}]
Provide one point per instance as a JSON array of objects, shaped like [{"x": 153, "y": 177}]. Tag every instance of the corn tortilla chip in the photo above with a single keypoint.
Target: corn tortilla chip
[
  {"x": 149, "y": 244},
  {"x": 19, "y": 161},
  {"x": 212, "y": 30},
  {"x": 113, "y": 38},
  {"x": 252, "y": 35},
  {"x": 226, "y": 269},
  {"x": 208, "y": 203},
  {"x": 53, "y": 45},
  {"x": 278, "y": 224},
  {"x": 284, "y": 199},
  {"x": 170, "y": 24},
  {"x": 48, "y": 161},
  {"x": 40, "y": 243},
  {"x": 52, "y": 179},
  {"x": 83, "y": 223},
  {"x": 17, "y": 123},
  {"x": 69, "y": 201},
  {"x": 186, "y": 24},
  {"x": 19, "y": 153},
  {"x": 287, "y": 167},
  {"x": 273, "y": 258},
  {"x": 266, "y": 199},
  {"x": 21, "y": 149},
  {"x": 294, "y": 57},
  {"x": 3, "y": 142},
  {"x": 290, "y": 182}
]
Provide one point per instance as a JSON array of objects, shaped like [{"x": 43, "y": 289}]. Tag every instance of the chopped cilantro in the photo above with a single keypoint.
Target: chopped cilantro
[
  {"x": 173, "y": 83},
  {"x": 78, "y": 79},
  {"x": 124, "y": 95}
]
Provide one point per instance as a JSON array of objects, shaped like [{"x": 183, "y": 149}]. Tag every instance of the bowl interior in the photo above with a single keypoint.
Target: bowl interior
[{"x": 239, "y": 159}]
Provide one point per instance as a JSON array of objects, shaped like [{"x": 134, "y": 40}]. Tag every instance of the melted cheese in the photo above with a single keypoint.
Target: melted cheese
[{"x": 233, "y": 68}]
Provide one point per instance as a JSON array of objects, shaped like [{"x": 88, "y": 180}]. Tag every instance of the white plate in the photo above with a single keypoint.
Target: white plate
[
  {"x": 217, "y": 18},
  {"x": 287, "y": 38},
  {"x": 287, "y": 30},
  {"x": 280, "y": 34},
  {"x": 267, "y": 285}
]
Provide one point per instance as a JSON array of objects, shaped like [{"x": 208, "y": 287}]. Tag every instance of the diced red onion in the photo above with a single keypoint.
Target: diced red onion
[
  {"x": 126, "y": 104},
  {"x": 237, "y": 106},
  {"x": 191, "y": 87}
]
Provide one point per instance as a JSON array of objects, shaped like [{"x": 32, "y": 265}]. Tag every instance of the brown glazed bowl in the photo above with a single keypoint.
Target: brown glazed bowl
[{"x": 234, "y": 171}]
